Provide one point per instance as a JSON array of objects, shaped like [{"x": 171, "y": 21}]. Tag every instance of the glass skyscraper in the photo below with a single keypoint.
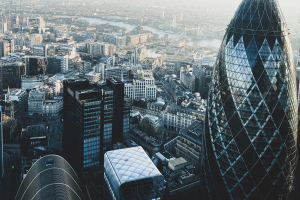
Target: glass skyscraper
[
  {"x": 96, "y": 116},
  {"x": 251, "y": 122}
]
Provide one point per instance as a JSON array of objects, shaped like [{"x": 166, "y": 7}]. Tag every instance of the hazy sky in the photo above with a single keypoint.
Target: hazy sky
[{"x": 290, "y": 8}]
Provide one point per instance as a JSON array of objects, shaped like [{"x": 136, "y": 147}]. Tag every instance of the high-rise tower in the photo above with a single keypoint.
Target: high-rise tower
[
  {"x": 251, "y": 122},
  {"x": 96, "y": 116}
]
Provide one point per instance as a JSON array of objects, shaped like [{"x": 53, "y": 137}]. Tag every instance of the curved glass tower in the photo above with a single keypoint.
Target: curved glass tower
[{"x": 251, "y": 129}]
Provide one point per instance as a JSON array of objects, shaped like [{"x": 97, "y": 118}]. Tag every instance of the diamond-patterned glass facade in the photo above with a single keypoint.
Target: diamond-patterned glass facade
[{"x": 252, "y": 111}]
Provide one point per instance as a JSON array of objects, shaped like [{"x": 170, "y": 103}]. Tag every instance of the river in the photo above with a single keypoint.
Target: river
[{"x": 192, "y": 42}]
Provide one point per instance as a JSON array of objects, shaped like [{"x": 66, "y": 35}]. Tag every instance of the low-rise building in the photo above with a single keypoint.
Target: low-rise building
[
  {"x": 150, "y": 144},
  {"x": 150, "y": 124},
  {"x": 189, "y": 143},
  {"x": 52, "y": 107},
  {"x": 181, "y": 182},
  {"x": 41, "y": 101},
  {"x": 129, "y": 174},
  {"x": 176, "y": 118}
]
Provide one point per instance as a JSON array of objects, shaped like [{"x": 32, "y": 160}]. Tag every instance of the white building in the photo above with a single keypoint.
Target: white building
[
  {"x": 175, "y": 118},
  {"x": 101, "y": 49},
  {"x": 35, "y": 39},
  {"x": 52, "y": 107},
  {"x": 39, "y": 104},
  {"x": 3, "y": 26},
  {"x": 129, "y": 90},
  {"x": 35, "y": 102},
  {"x": 141, "y": 89}
]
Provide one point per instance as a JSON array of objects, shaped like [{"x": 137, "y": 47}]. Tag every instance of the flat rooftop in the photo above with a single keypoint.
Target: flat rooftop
[{"x": 177, "y": 162}]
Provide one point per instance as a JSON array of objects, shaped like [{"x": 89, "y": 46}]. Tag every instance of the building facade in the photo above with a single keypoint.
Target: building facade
[
  {"x": 150, "y": 124},
  {"x": 11, "y": 75},
  {"x": 95, "y": 117},
  {"x": 175, "y": 118},
  {"x": 200, "y": 83},
  {"x": 6, "y": 47},
  {"x": 189, "y": 144},
  {"x": 35, "y": 65},
  {"x": 252, "y": 118},
  {"x": 52, "y": 107},
  {"x": 101, "y": 49},
  {"x": 141, "y": 89},
  {"x": 114, "y": 39},
  {"x": 188, "y": 80},
  {"x": 40, "y": 50}
]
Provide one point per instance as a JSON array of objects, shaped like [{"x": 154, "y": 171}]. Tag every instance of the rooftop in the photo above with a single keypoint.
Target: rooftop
[
  {"x": 131, "y": 164},
  {"x": 177, "y": 162}
]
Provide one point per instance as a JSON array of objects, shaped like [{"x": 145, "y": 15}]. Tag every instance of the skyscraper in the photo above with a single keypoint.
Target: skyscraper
[
  {"x": 95, "y": 117},
  {"x": 251, "y": 132},
  {"x": 6, "y": 47}
]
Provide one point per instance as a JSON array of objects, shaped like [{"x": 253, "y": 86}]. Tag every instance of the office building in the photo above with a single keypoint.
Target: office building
[
  {"x": 35, "y": 102},
  {"x": 6, "y": 47},
  {"x": 50, "y": 177},
  {"x": 150, "y": 124},
  {"x": 36, "y": 22},
  {"x": 252, "y": 115},
  {"x": 188, "y": 80},
  {"x": 40, "y": 50},
  {"x": 101, "y": 49},
  {"x": 35, "y": 39},
  {"x": 95, "y": 118},
  {"x": 200, "y": 83},
  {"x": 141, "y": 89},
  {"x": 175, "y": 117},
  {"x": 129, "y": 174},
  {"x": 138, "y": 55},
  {"x": 11, "y": 75},
  {"x": 189, "y": 144},
  {"x": 116, "y": 72},
  {"x": 57, "y": 64},
  {"x": 181, "y": 182},
  {"x": 149, "y": 143},
  {"x": 29, "y": 82},
  {"x": 3, "y": 26},
  {"x": 35, "y": 65},
  {"x": 20, "y": 99},
  {"x": 118, "y": 41},
  {"x": 68, "y": 50}
]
